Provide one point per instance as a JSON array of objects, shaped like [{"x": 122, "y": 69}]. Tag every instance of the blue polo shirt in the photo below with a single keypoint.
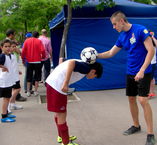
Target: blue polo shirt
[{"x": 133, "y": 42}]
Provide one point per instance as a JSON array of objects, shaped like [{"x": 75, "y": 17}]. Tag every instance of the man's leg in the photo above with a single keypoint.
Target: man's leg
[
  {"x": 36, "y": 88},
  {"x": 149, "y": 120},
  {"x": 134, "y": 110},
  {"x": 47, "y": 68},
  {"x": 147, "y": 113},
  {"x": 135, "y": 117}
]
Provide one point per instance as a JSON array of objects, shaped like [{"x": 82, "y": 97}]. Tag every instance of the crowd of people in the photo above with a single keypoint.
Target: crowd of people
[
  {"x": 140, "y": 45},
  {"x": 35, "y": 54}
]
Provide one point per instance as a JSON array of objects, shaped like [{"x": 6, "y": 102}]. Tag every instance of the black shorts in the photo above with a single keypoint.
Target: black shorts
[
  {"x": 16, "y": 85},
  {"x": 140, "y": 88},
  {"x": 5, "y": 92},
  {"x": 33, "y": 72}
]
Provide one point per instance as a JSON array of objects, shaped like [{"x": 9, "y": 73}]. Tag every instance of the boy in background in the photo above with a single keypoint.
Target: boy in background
[
  {"x": 57, "y": 84},
  {"x": 16, "y": 87},
  {"x": 6, "y": 82}
]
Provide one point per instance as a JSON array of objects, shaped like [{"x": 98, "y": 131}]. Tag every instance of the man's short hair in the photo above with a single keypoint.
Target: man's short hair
[
  {"x": 35, "y": 34},
  {"x": 119, "y": 15},
  {"x": 43, "y": 30},
  {"x": 9, "y": 32}
]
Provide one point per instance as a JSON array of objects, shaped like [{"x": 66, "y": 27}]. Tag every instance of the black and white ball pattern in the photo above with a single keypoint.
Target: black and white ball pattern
[{"x": 88, "y": 55}]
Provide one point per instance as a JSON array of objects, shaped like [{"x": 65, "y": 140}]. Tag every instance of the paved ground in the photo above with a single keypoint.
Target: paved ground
[{"x": 99, "y": 118}]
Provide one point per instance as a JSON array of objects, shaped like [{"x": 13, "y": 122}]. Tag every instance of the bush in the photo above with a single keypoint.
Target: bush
[{"x": 2, "y": 36}]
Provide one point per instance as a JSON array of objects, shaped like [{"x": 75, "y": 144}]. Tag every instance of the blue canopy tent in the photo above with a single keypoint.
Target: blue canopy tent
[{"x": 93, "y": 28}]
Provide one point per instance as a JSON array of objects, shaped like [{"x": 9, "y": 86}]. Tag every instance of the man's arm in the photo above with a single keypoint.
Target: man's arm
[
  {"x": 71, "y": 66},
  {"x": 149, "y": 46},
  {"x": 109, "y": 53},
  {"x": 50, "y": 48},
  {"x": 23, "y": 53}
]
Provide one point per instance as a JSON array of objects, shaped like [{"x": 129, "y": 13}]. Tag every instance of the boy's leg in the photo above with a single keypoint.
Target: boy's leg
[
  {"x": 62, "y": 127},
  {"x": 14, "y": 94},
  {"x": 5, "y": 103},
  {"x": 56, "y": 121},
  {"x": 15, "y": 91},
  {"x": 6, "y": 92}
]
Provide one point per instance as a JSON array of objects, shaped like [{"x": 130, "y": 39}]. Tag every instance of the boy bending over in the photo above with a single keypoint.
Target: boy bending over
[{"x": 57, "y": 84}]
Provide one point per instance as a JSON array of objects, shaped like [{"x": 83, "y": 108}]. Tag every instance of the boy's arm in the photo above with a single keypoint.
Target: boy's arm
[
  {"x": 18, "y": 51},
  {"x": 4, "y": 69},
  {"x": 2, "y": 61},
  {"x": 70, "y": 69}
]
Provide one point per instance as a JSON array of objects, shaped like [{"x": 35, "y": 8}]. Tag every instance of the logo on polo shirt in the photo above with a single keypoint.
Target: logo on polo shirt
[
  {"x": 133, "y": 39},
  {"x": 145, "y": 31}
]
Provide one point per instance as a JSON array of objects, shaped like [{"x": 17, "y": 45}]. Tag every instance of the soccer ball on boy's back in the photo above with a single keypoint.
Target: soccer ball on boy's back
[{"x": 89, "y": 55}]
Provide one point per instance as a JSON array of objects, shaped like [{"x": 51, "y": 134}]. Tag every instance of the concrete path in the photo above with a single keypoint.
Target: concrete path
[{"x": 99, "y": 118}]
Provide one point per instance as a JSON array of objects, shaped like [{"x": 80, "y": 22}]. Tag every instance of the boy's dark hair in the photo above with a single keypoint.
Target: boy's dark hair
[
  {"x": 5, "y": 41},
  {"x": 35, "y": 34},
  {"x": 9, "y": 32},
  {"x": 13, "y": 42},
  {"x": 98, "y": 67}
]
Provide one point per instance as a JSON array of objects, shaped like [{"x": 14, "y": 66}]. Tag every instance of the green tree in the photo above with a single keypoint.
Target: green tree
[{"x": 27, "y": 15}]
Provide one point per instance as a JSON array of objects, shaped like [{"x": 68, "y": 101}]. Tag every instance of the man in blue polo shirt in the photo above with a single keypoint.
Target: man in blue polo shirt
[{"x": 136, "y": 41}]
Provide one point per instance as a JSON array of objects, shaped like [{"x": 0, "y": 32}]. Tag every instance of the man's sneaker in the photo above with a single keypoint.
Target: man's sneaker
[
  {"x": 7, "y": 120},
  {"x": 36, "y": 93},
  {"x": 150, "y": 140},
  {"x": 71, "y": 138},
  {"x": 15, "y": 107},
  {"x": 71, "y": 143},
  {"x": 21, "y": 99},
  {"x": 28, "y": 94},
  {"x": 132, "y": 130},
  {"x": 11, "y": 116}
]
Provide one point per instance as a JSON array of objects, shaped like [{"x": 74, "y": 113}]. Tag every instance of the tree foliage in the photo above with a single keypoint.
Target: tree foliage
[{"x": 27, "y": 15}]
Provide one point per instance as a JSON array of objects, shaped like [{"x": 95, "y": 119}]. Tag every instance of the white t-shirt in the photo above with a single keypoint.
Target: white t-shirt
[
  {"x": 6, "y": 77},
  {"x": 56, "y": 78},
  {"x": 15, "y": 69},
  {"x": 154, "y": 57}
]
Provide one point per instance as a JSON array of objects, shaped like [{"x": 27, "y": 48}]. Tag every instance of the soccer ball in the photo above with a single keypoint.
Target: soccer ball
[{"x": 88, "y": 55}]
